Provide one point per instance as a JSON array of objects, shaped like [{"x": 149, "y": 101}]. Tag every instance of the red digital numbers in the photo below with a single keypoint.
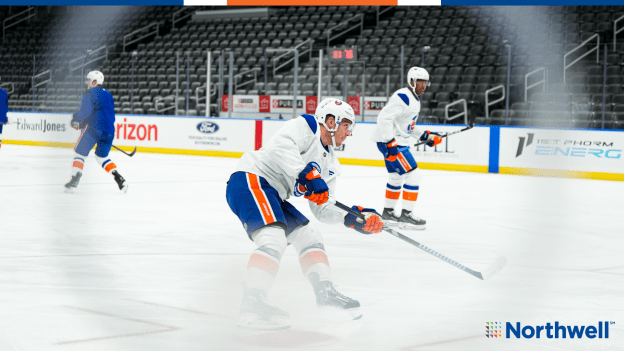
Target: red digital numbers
[{"x": 340, "y": 54}]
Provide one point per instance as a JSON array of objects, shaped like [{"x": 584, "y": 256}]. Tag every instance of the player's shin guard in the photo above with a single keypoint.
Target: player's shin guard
[
  {"x": 78, "y": 164},
  {"x": 313, "y": 259},
  {"x": 410, "y": 195},
  {"x": 106, "y": 164},
  {"x": 264, "y": 261},
  {"x": 255, "y": 311},
  {"x": 410, "y": 190},
  {"x": 308, "y": 242},
  {"x": 111, "y": 169},
  {"x": 393, "y": 190}
]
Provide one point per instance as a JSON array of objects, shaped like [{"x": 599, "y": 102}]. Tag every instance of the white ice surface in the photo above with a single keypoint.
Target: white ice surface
[{"x": 160, "y": 268}]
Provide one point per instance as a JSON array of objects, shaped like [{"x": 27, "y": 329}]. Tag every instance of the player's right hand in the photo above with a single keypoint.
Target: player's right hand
[
  {"x": 393, "y": 150},
  {"x": 432, "y": 138},
  {"x": 316, "y": 189},
  {"x": 372, "y": 224}
]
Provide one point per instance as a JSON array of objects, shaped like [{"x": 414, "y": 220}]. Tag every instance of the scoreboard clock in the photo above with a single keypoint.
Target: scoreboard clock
[{"x": 339, "y": 54}]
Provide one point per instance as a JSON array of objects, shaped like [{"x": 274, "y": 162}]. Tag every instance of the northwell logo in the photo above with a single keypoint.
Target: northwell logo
[
  {"x": 549, "y": 331},
  {"x": 493, "y": 329}
]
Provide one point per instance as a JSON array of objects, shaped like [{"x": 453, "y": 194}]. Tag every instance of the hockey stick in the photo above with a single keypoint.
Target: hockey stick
[
  {"x": 129, "y": 154},
  {"x": 447, "y": 134},
  {"x": 488, "y": 273}
]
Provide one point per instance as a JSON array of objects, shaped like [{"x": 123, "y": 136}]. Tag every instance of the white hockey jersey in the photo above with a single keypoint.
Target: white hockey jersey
[
  {"x": 398, "y": 119},
  {"x": 288, "y": 152}
]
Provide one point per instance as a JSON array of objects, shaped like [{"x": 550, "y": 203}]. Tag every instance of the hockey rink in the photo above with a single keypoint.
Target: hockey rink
[{"x": 160, "y": 268}]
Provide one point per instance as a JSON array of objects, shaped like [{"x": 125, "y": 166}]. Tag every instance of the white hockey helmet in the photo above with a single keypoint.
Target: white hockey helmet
[
  {"x": 337, "y": 108},
  {"x": 417, "y": 73},
  {"x": 97, "y": 76}
]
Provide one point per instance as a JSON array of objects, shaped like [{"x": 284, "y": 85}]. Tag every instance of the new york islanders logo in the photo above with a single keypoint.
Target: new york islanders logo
[
  {"x": 410, "y": 128},
  {"x": 338, "y": 102},
  {"x": 299, "y": 189}
]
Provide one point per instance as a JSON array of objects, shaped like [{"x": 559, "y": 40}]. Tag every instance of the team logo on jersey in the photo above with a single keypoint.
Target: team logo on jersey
[
  {"x": 411, "y": 127},
  {"x": 207, "y": 127},
  {"x": 299, "y": 189},
  {"x": 338, "y": 102}
]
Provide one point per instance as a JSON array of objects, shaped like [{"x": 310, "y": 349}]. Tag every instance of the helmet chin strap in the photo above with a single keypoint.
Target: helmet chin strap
[
  {"x": 413, "y": 89},
  {"x": 332, "y": 132}
]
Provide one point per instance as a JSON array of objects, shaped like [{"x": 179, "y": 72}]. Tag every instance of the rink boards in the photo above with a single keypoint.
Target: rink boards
[{"x": 571, "y": 153}]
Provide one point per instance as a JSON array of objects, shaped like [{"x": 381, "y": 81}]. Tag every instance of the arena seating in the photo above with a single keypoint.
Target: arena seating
[{"x": 467, "y": 56}]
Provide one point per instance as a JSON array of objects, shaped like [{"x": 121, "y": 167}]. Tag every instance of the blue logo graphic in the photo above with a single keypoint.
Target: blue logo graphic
[
  {"x": 207, "y": 127},
  {"x": 411, "y": 127},
  {"x": 548, "y": 331}
]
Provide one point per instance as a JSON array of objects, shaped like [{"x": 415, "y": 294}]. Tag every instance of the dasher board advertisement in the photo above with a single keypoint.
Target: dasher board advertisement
[{"x": 564, "y": 150}]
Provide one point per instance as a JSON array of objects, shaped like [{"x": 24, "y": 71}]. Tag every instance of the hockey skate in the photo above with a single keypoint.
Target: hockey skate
[
  {"x": 389, "y": 218},
  {"x": 123, "y": 185},
  {"x": 409, "y": 221},
  {"x": 256, "y": 313},
  {"x": 332, "y": 304},
  {"x": 73, "y": 183}
]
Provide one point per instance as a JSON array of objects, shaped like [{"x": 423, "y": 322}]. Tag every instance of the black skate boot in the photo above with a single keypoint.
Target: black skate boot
[
  {"x": 331, "y": 303},
  {"x": 256, "y": 313},
  {"x": 73, "y": 183},
  {"x": 389, "y": 218},
  {"x": 409, "y": 221},
  {"x": 123, "y": 185}
]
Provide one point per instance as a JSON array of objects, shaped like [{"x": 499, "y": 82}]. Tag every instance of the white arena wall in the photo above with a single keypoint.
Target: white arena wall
[{"x": 571, "y": 153}]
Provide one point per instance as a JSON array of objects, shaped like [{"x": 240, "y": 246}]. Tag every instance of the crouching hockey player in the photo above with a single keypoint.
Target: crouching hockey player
[
  {"x": 96, "y": 119},
  {"x": 299, "y": 160},
  {"x": 396, "y": 124}
]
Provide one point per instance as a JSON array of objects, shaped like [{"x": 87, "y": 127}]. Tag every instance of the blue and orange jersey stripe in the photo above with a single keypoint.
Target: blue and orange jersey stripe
[
  {"x": 253, "y": 181},
  {"x": 404, "y": 162}
]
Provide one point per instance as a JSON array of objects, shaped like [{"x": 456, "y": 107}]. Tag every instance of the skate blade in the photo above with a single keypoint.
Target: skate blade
[
  {"x": 391, "y": 224},
  {"x": 69, "y": 190},
  {"x": 412, "y": 226},
  {"x": 250, "y": 321},
  {"x": 334, "y": 314},
  {"x": 124, "y": 189}
]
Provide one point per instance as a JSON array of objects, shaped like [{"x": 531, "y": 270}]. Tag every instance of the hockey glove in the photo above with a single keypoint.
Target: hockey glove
[
  {"x": 432, "y": 138},
  {"x": 371, "y": 225},
  {"x": 393, "y": 150},
  {"x": 75, "y": 124},
  {"x": 314, "y": 188}
]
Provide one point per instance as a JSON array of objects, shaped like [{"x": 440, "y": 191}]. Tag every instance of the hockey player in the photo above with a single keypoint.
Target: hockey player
[
  {"x": 396, "y": 124},
  {"x": 299, "y": 160},
  {"x": 4, "y": 108},
  {"x": 96, "y": 119}
]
